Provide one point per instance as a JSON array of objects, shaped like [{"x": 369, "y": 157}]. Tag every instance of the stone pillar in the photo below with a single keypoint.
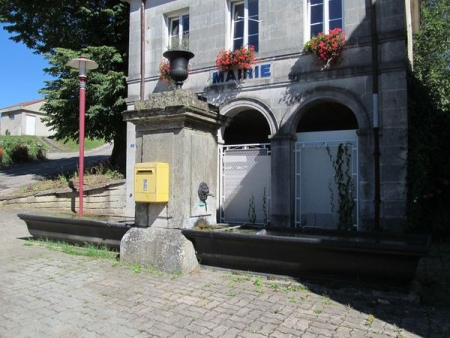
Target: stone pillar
[
  {"x": 282, "y": 182},
  {"x": 177, "y": 128}
]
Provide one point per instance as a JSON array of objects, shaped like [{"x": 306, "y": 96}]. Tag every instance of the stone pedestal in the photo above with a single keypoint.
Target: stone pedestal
[
  {"x": 164, "y": 249},
  {"x": 177, "y": 128}
]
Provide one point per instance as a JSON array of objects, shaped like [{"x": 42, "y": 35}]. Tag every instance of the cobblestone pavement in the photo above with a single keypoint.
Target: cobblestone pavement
[{"x": 45, "y": 293}]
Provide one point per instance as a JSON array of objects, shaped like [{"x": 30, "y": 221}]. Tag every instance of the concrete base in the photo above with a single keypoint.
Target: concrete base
[{"x": 165, "y": 249}]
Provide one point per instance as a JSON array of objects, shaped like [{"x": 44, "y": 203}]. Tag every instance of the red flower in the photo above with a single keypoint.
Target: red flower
[
  {"x": 164, "y": 69},
  {"x": 242, "y": 58},
  {"x": 327, "y": 47}
]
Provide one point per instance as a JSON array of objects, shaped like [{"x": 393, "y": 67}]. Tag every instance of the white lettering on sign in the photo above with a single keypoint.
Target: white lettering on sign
[{"x": 145, "y": 185}]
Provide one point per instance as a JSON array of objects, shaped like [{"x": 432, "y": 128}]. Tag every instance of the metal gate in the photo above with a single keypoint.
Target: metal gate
[
  {"x": 244, "y": 183},
  {"x": 317, "y": 170}
]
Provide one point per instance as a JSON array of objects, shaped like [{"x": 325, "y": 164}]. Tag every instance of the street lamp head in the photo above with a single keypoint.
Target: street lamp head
[{"x": 83, "y": 64}]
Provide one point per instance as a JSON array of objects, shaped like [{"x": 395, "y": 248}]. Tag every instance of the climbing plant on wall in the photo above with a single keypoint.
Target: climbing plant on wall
[{"x": 342, "y": 165}]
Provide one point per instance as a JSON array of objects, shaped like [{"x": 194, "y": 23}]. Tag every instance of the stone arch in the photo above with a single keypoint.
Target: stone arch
[
  {"x": 325, "y": 101},
  {"x": 317, "y": 96},
  {"x": 236, "y": 106}
]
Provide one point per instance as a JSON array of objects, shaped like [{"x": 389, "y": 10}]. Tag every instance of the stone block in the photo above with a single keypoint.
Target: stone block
[
  {"x": 394, "y": 173},
  {"x": 165, "y": 249}
]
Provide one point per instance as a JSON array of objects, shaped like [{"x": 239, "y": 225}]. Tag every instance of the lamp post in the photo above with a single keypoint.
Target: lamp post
[{"x": 83, "y": 64}]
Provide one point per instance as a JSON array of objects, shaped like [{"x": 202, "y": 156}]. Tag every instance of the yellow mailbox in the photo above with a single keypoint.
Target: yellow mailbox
[{"x": 151, "y": 182}]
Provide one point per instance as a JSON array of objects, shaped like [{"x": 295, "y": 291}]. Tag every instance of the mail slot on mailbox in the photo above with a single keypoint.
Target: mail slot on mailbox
[{"x": 151, "y": 182}]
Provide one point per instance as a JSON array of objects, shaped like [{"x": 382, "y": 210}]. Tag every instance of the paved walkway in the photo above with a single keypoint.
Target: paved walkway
[
  {"x": 46, "y": 293},
  {"x": 15, "y": 176}
]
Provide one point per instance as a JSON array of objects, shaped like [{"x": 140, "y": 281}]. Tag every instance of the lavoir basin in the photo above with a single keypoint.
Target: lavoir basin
[
  {"x": 384, "y": 257},
  {"x": 98, "y": 230}
]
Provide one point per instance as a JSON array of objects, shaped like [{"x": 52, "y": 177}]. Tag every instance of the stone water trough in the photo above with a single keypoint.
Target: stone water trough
[
  {"x": 98, "y": 230},
  {"x": 381, "y": 257}
]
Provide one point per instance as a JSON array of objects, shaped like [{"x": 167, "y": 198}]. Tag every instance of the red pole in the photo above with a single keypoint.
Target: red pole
[
  {"x": 81, "y": 139},
  {"x": 83, "y": 64}
]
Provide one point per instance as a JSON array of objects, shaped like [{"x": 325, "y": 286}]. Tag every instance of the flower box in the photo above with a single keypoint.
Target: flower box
[
  {"x": 326, "y": 48},
  {"x": 243, "y": 58}
]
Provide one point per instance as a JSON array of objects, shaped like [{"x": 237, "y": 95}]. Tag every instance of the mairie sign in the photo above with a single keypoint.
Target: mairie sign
[{"x": 256, "y": 72}]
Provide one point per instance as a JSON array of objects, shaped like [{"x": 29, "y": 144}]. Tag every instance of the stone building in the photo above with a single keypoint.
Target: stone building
[
  {"x": 291, "y": 121},
  {"x": 26, "y": 118}
]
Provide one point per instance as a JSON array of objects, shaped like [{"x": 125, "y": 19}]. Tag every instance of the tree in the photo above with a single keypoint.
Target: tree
[
  {"x": 432, "y": 51},
  {"x": 62, "y": 30},
  {"x": 105, "y": 96},
  {"x": 429, "y": 123}
]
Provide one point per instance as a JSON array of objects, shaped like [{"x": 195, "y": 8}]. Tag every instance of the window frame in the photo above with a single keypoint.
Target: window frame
[
  {"x": 180, "y": 18},
  {"x": 246, "y": 19},
  {"x": 325, "y": 17}
]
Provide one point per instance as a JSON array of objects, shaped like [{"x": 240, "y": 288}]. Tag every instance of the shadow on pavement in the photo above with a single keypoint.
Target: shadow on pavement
[{"x": 422, "y": 308}]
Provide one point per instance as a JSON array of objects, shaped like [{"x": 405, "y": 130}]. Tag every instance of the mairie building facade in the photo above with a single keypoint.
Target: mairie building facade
[{"x": 304, "y": 146}]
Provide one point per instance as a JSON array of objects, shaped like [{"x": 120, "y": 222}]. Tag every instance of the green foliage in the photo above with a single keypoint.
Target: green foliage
[
  {"x": 86, "y": 249},
  {"x": 251, "y": 210},
  {"x": 64, "y": 30},
  {"x": 370, "y": 319},
  {"x": 432, "y": 51},
  {"x": 105, "y": 95},
  {"x": 345, "y": 185},
  {"x": 104, "y": 168},
  {"x": 428, "y": 162},
  {"x": 20, "y": 149},
  {"x": 89, "y": 144},
  {"x": 429, "y": 123},
  {"x": 44, "y": 25}
]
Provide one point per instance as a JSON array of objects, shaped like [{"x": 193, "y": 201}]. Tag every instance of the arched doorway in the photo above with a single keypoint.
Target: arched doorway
[
  {"x": 246, "y": 127},
  {"x": 327, "y": 116},
  {"x": 326, "y": 167},
  {"x": 245, "y": 168}
]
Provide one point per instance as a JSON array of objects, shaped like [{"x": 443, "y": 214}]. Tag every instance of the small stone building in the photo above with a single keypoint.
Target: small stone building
[
  {"x": 304, "y": 145},
  {"x": 24, "y": 118}
]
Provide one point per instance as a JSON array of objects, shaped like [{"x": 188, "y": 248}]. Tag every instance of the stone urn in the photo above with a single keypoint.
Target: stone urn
[{"x": 179, "y": 65}]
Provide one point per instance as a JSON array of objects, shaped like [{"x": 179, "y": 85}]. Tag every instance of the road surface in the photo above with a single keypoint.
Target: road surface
[{"x": 18, "y": 175}]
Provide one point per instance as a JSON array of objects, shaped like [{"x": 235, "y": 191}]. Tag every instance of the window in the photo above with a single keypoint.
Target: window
[
  {"x": 245, "y": 24},
  {"x": 323, "y": 16},
  {"x": 179, "y": 31}
]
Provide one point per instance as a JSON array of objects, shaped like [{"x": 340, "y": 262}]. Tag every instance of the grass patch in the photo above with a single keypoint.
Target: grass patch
[
  {"x": 65, "y": 146},
  {"x": 73, "y": 146},
  {"x": 25, "y": 139},
  {"x": 87, "y": 249},
  {"x": 97, "y": 252},
  {"x": 370, "y": 319},
  {"x": 258, "y": 282}
]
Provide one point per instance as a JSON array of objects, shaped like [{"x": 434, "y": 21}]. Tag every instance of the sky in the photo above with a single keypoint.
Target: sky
[{"x": 22, "y": 72}]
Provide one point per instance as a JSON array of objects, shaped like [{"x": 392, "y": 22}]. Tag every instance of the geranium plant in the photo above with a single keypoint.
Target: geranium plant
[
  {"x": 242, "y": 58},
  {"x": 164, "y": 69},
  {"x": 326, "y": 48}
]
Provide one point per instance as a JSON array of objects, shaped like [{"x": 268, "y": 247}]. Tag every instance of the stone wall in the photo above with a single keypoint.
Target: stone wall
[
  {"x": 294, "y": 85},
  {"x": 106, "y": 199}
]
